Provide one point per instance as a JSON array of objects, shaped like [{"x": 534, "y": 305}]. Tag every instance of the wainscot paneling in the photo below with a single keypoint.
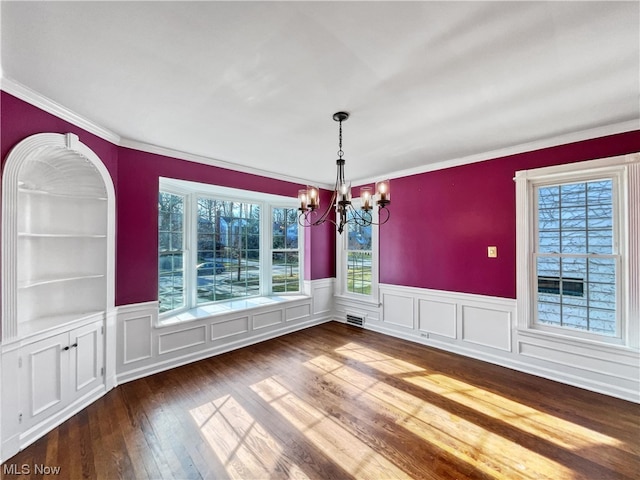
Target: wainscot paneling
[
  {"x": 438, "y": 318},
  {"x": 147, "y": 345},
  {"x": 322, "y": 295},
  {"x": 267, "y": 319},
  {"x": 181, "y": 339},
  {"x": 137, "y": 338},
  {"x": 485, "y": 328},
  {"x": 297, "y": 312},
  {"x": 229, "y": 328},
  {"x": 398, "y": 310},
  {"x": 488, "y": 327}
]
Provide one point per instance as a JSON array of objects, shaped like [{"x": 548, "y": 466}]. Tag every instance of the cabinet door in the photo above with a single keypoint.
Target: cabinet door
[
  {"x": 45, "y": 378},
  {"x": 87, "y": 357}
]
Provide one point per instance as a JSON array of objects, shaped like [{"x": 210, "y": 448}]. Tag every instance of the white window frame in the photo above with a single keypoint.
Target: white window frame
[
  {"x": 191, "y": 191},
  {"x": 625, "y": 173},
  {"x": 186, "y": 254},
  {"x": 300, "y": 248},
  {"x": 341, "y": 261}
]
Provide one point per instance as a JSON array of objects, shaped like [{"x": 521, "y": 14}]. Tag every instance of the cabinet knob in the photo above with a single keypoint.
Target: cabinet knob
[
  {"x": 66, "y": 348},
  {"x": 74, "y": 345}
]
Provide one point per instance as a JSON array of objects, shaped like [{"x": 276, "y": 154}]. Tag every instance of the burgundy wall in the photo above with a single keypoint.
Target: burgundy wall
[
  {"x": 135, "y": 176},
  {"x": 138, "y": 174},
  {"x": 19, "y": 120},
  {"x": 321, "y": 240},
  {"x": 443, "y": 221}
]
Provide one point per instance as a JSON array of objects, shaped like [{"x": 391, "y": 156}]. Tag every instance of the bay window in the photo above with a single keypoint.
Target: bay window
[{"x": 218, "y": 244}]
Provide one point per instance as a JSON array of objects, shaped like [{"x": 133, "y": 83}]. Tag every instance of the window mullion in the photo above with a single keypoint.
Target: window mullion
[
  {"x": 266, "y": 244},
  {"x": 190, "y": 243}
]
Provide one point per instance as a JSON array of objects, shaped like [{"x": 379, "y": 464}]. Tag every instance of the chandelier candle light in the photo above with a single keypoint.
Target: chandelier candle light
[{"x": 309, "y": 198}]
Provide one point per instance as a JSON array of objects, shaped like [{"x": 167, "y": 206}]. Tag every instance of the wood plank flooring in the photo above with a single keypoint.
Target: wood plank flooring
[{"x": 338, "y": 402}]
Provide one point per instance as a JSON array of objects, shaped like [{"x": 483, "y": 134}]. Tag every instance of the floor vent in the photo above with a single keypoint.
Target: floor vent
[{"x": 355, "y": 320}]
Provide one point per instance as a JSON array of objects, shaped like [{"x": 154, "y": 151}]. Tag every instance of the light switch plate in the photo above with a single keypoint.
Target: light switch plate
[{"x": 492, "y": 252}]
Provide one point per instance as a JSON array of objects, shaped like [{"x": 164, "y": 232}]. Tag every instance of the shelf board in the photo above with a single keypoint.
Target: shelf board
[
  {"x": 48, "y": 281},
  {"x": 43, "y": 324},
  {"x": 60, "y": 235},
  {"x": 30, "y": 191}
]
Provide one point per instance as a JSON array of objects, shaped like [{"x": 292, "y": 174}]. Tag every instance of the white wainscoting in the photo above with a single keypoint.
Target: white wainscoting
[
  {"x": 144, "y": 346},
  {"x": 322, "y": 295},
  {"x": 485, "y": 328}
]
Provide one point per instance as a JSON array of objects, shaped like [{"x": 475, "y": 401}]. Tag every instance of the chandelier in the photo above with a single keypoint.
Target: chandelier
[{"x": 309, "y": 197}]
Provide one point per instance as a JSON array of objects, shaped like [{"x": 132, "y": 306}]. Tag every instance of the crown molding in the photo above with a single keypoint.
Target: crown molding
[
  {"x": 38, "y": 100},
  {"x": 622, "y": 127},
  {"x": 190, "y": 157}
]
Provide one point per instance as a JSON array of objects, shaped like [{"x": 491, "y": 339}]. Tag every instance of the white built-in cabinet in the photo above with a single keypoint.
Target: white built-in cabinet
[
  {"x": 57, "y": 284},
  {"x": 59, "y": 369}
]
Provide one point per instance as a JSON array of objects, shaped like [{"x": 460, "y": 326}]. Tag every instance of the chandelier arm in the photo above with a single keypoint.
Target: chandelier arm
[
  {"x": 307, "y": 224},
  {"x": 340, "y": 202},
  {"x": 361, "y": 217},
  {"x": 323, "y": 217},
  {"x": 388, "y": 212},
  {"x": 366, "y": 219}
]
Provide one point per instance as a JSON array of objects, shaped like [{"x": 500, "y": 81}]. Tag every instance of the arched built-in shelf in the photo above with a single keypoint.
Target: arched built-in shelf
[
  {"x": 58, "y": 225},
  {"x": 58, "y": 254}
]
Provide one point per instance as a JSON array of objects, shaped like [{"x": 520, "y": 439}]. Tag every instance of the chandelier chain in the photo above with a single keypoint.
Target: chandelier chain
[
  {"x": 340, "y": 203},
  {"x": 340, "y": 152}
]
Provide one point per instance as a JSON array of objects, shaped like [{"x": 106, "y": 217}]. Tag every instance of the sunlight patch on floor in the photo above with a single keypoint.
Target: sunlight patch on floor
[
  {"x": 484, "y": 449},
  {"x": 563, "y": 433},
  {"x": 241, "y": 444},
  {"x": 327, "y": 434},
  {"x": 379, "y": 361}
]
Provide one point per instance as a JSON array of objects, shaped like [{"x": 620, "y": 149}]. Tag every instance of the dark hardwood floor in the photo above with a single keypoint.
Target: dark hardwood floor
[{"x": 338, "y": 402}]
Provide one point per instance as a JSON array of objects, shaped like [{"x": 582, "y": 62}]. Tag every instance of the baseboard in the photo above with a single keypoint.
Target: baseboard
[
  {"x": 485, "y": 328},
  {"x": 16, "y": 443},
  {"x": 168, "y": 364}
]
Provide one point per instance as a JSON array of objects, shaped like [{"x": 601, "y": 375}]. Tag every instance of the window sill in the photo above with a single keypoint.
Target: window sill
[
  {"x": 576, "y": 341},
  {"x": 364, "y": 300},
  {"x": 225, "y": 308}
]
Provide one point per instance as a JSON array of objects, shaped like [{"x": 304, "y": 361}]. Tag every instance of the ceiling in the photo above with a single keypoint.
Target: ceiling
[{"x": 255, "y": 84}]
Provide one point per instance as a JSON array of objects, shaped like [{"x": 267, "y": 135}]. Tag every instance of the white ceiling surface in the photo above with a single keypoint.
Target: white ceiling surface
[{"x": 256, "y": 84}]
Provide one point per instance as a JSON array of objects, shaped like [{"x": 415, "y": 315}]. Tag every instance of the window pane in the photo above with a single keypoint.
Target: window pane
[
  {"x": 285, "y": 228},
  {"x": 358, "y": 257},
  {"x": 359, "y": 237},
  {"x": 228, "y": 250},
  {"x": 359, "y": 272},
  {"x": 575, "y": 289},
  {"x": 285, "y": 275},
  {"x": 170, "y": 251},
  {"x": 578, "y": 293},
  {"x": 576, "y": 218},
  {"x": 572, "y": 195}
]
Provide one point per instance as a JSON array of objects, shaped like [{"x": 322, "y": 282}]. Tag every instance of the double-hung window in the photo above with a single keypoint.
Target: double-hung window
[
  {"x": 171, "y": 252},
  {"x": 574, "y": 263},
  {"x": 285, "y": 250},
  {"x": 577, "y": 255},
  {"x": 358, "y": 258},
  {"x": 218, "y": 244}
]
